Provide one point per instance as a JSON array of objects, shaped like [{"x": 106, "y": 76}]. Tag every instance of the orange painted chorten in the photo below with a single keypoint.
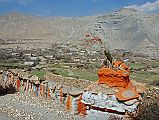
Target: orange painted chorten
[{"x": 118, "y": 77}]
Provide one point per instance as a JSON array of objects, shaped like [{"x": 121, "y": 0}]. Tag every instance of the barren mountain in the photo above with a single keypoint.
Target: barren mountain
[{"x": 123, "y": 29}]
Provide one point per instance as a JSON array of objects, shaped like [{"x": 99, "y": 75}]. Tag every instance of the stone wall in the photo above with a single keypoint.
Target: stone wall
[{"x": 68, "y": 81}]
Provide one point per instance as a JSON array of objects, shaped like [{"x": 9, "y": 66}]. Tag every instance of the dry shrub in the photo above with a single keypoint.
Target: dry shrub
[
  {"x": 115, "y": 117},
  {"x": 2, "y": 90},
  {"x": 155, "y": 82},
  {"x": 7, "y": 89},
  {"x": 149, "y": 109},
  {"x": 10, "y": 89}
]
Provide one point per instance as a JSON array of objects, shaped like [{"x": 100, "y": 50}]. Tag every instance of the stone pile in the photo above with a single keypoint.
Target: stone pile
[
  {"x": 108, "y": 103},
  {"x": 114, "y": 91}
]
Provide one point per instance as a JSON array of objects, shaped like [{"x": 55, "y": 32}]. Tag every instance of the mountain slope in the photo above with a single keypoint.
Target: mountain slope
[{"x": 123, "y": 29}]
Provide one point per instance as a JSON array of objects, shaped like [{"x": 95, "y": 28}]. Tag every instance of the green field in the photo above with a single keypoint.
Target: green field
[
  {"x": 145, "y": 76},
  {"x": 76, "y": 73},
  {"x": 65, "y": 70},
  {"x": 39, "y": 73},
  {"x": 13, "y": 65},
  {"x": 91, "y": 73},
  {"x": 86, "y": 74},
  {"x": 61, "y": 69}
]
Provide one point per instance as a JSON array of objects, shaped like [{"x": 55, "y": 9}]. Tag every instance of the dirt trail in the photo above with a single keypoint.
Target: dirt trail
[{"x": 19, "y": 107}]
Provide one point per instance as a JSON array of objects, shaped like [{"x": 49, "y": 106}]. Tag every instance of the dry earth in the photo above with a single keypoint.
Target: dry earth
[{"x": 123, "y": 29}]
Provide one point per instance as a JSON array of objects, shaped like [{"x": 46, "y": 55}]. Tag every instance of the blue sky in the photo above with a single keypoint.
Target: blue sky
[{"x": 74, "y": 7}]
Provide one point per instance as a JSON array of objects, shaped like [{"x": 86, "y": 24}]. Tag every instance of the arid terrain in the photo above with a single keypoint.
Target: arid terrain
[{"x": 126, "y": 29}]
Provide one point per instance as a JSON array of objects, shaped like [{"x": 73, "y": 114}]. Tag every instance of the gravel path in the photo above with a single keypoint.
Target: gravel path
[{"x": 21, "y": 107}]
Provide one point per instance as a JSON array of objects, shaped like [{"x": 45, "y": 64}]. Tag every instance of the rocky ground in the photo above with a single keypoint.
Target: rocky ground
[
  {"x": 21, "y": 107},
  {"x": 24, "y": 107}
]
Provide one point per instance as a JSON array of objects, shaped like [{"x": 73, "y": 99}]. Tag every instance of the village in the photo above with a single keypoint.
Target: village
[{"x": 89, "y": 51}]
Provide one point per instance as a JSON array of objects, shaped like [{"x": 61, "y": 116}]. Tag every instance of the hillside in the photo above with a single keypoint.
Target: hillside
[{"x": 123, "y": 29}]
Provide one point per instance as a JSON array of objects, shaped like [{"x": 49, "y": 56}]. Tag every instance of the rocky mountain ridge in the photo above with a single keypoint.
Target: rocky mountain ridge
[{"x": 123, "y": 29}]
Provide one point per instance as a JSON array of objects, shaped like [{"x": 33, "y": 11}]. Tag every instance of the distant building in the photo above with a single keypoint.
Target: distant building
[{"x": 29, "y": 63}]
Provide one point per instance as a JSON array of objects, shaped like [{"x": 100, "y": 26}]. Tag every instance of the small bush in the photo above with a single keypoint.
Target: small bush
[
  {"x": 7, "y": 89},
  {"x": 155, "y": 82},
  {"x": 149, "y": 109}
]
